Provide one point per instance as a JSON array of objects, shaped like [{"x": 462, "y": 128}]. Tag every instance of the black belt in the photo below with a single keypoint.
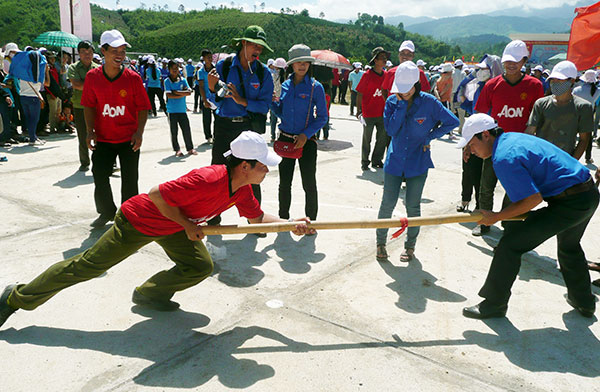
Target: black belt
[
  {"x": 235, "y": 119},
  {"x": 291, "y": 136},
  {"x": 575, "y": 189}
]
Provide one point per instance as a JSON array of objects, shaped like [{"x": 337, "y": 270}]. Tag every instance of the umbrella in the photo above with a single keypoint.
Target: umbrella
[
  {"x": 58, "y": 38},
  {"x": 220, "y": 56},
  {"x": 330, "y": 59}
]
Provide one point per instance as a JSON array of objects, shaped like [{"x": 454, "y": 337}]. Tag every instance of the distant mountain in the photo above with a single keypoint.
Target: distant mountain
[
  {"x": 406, "y": 20},
  {"x": 564, "y": 11},
  {"x": 448, "y": 29}
]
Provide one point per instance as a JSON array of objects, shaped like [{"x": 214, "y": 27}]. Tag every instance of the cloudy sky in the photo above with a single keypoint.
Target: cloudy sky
[{"x": 343, "y": 9}]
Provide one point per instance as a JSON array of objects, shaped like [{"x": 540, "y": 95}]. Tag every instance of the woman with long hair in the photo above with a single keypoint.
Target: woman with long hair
[
  {"x": 412, "y": 119},
  {"x": 301, "y": 96}
]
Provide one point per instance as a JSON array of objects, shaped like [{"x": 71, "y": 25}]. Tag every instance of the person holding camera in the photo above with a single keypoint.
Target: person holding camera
[{"x": 244, "y": 90}]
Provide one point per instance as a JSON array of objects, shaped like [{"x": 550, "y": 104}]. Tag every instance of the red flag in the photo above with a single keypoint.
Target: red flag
[{"x": 584, "y": 42}]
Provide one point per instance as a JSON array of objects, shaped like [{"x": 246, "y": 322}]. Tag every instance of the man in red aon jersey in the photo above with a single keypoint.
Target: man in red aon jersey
[
  {"x": 509, "y": 99},
  {"x": 170, "y": 215},
  {"x": 116, "y": 109}
]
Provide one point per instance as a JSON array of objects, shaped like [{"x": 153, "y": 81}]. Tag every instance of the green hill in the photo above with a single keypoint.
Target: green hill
[{"x": 185, "y": 34}]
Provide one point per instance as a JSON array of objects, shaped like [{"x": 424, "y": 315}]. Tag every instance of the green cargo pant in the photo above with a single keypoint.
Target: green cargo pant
[{"x": 193, "y": 264}]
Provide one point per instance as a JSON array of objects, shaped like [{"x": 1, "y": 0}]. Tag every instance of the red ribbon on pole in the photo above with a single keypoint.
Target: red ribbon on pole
[{"x": 403, "y": 226}]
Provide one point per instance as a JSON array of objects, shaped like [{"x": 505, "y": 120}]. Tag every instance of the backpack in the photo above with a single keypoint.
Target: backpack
[{"x": 29, "y": 66}]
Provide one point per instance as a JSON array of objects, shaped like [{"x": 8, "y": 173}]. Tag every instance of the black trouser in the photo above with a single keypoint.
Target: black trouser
[
  {"x": 487, "y": 185},
  {"x": 103, "y": 159},
  {"x": 353, "y": 95},
  {"x": 471, "y": 178},
  {"x": 8, "y": 129},
  {"x": 183, "y": 121},
  {"x": 308, "y": 171},
  {"x": 44, "y": 114},
  {"x": 207, "y": 114},
  {"x": 225, "y": 132},
  {"x": 334, "y": 90},
  {"x": 197, "y": 98},
  {"x": 343, "y": 88},
  {"x": 156, "y": 91},
  {"x": 84, "y": 156},
  {"x": 566, "y": 218}
]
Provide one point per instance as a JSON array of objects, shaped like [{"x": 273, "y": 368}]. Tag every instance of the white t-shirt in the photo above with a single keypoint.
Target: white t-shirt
[{"x": 27, "y": 88}]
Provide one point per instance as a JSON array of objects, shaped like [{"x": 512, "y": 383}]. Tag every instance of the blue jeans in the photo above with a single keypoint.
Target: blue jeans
[
  {"x": 31, "y": 108},
  {"x": 273, "y": 120},
  {"x": 391, "y": 191}
]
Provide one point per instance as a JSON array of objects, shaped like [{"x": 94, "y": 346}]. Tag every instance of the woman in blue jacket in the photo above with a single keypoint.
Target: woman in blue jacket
[
  {"x": 300, "y": 96},
  {"x": 413, "y": 119}
]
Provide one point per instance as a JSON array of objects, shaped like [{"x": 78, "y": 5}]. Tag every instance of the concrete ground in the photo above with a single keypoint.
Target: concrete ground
[{"x": 283, "y": 313}]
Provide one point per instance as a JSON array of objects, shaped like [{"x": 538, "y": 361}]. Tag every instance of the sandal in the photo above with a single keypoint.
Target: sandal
[
  {"x": 407, "y": 255},
  {"x": 178, "y": 154},
  {"x": 462, "y": 206},
  {"x": 382, "y": 254}
]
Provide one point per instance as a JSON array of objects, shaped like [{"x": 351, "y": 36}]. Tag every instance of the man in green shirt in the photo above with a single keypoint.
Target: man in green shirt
[{"x": 76, "y": 75}]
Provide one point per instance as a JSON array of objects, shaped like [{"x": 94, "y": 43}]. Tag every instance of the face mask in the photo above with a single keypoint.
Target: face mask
[
  {"x": 483, "y": 75},
  {"x": 559, "y": 88}
]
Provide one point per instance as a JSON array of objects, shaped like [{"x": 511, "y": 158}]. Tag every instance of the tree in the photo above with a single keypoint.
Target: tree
[
  {"x": 142, "y": 5},
  {"x": 165, "y": 7},
  {"x": 254, "y": 7},
  {"x": 262, "y": 6},
  {"x": 181, "y": 8},
  {"x": 304, "y": 12},
  {"x": 321, "y": 15},
  {"x": 206, "y": 4},
  {"x": 118, "y": 2}
]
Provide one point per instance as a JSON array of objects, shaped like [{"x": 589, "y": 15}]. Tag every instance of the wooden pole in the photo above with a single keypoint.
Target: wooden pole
[{"x": 343, "y": 225}]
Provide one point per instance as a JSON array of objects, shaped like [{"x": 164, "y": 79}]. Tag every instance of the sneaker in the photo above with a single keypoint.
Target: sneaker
[
  {"x": 209, "y": 140},
  {"x": 480, "y": 230},
  {"x": 163, "y": 305},
  {"x": 589, "y": 161},
  {"x": 260, "y": 235},
  {"x": 37, "y": 142},
  {"x": 101, "y": 221},
  {"x": 377, "y": 165},
  {"x": 84, "y": 168},
  {"x": 5, "y": 309}
]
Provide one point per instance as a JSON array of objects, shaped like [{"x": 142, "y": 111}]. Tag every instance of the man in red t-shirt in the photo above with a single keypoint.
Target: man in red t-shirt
[
  {"x": 171, "y": 215},
  {"x": 509, "y": 99},
  {"x": 116, "y": 109},
  {"x": 370, "y": 103},
  {"x": 406, "y": 52}
]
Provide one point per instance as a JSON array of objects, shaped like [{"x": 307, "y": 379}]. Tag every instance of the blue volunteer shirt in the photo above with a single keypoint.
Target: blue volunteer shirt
[
  {"x": 526, "y": 165},
  {"x": 202, "y": 75},
  {"x": 176, "y": 105},
  {"x": 259, "y": 95},
  {"x": 411, "y": 129},
  {"x": 189, "y": 70},
  {"x": 295, "y": 106},
  {"x": 152, "y": 81},
  {"x": 164, "y": 73}
]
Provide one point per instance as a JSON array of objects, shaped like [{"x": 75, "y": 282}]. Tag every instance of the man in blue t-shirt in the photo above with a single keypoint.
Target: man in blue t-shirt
[
  {"x": 353, "y": 80},
  {"x": 202, "y": 91},
  {"x": 177, "y": 89},
  {"x": 532, "y": 170}
]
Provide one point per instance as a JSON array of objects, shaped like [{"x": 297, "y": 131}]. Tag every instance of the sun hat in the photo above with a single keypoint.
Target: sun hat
[
  {"x": 280, "y": 62},
  {"x": 298, "y": 53},
  {"x": 564, "y": 70},
  {"x": 407, "y": 74},
  {"x": 515, "y": 51},
  {"x": 474, "y": 124},
  {"x": 421, "y": 63},
  {"x": 459, "y": 63},
  {"x": 407, "y": 45},
  {"x": 270, "y": 62},
  {"x": 113, "y": 38},
  {"x": 10, "y": 47},
  {"x": 251, "y": 146},
  {"x": 375, "y": 52},
  {"x": 482, "y": 65},
  {"x": 446, "y": 67},
  {"x": 254, "y": 34},
  {"x": 589, "y": 76}
]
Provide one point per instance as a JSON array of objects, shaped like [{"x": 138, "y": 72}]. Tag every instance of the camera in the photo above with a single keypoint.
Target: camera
[{"x": 222, "y": 89}]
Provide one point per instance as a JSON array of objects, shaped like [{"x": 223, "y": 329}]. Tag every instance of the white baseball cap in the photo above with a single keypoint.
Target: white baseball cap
[
  {"x": 407, "y": 74},
  {"x": 388, "y": 63},
  {"x": 458, "y": 63},
  {"x": 477, "y": 123},
  {"x": 250, "y": 145},
  {"x": 589, "y": 76},
  {"x": 357, "y": 64},
  {"x": 421, "y": 63},
  {"x": 482, "y": 65},
  {"x": 151, "y": 60},
  {"x": 564, "y": 70},
  {"x": 407, "y": 45},
  {"x": 113, "y": 38},
  {"x": 515, "y": 51},
  {"x": 189, "y": 60},
  {"x": 270, "y": 62},
  {"x": 538, "y": 68}
]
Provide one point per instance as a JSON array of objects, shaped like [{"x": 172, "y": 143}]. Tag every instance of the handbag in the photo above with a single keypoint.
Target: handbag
[{"x": 288, "y": 149}]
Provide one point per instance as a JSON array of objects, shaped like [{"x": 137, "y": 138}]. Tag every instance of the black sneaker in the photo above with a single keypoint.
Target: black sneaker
[
  {"x": 5, "y": 309},
  {"x": 584, "y": 311},
  {"x": 163, "y": 305},
  {"x": 101, "y": 221}
]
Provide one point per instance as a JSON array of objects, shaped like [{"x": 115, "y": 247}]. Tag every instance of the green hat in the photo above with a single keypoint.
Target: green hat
[{"x": 254, "y": 34}]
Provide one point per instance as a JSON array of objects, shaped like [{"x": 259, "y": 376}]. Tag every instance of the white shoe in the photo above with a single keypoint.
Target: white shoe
[{"x": 37, "y": 142}]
